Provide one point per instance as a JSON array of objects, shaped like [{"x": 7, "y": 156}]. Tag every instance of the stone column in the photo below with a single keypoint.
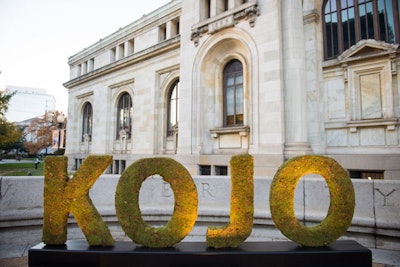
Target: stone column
[
  {"x": 120, "y": 51},
  {"x": 90, "y": 63},
  {"x": 213, "y": 8},
  {"x": 84, "y": 68},
  {"x": 169, "y": 30},
  {"x": 294, "y": 79},
  {"x": 219, "y": 7},
  {"x": 233, "y": 3},
  {"x": 126, "y": 49}
]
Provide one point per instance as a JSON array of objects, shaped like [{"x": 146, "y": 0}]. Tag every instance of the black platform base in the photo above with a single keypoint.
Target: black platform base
[{"x": 196, "y": 254}]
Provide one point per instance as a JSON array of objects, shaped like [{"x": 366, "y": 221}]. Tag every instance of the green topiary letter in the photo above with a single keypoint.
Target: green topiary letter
[
  {"x": 341, "y": 206},
  {"x": 242, "y": 206},
  {"x": 127, "y": 202},
  {"x": 63, "y": 195}
]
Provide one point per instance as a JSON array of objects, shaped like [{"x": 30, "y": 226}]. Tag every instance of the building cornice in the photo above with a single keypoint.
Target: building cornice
[
  {"x": 146, "y": 54},
  {"x": 150, "y": 20}
]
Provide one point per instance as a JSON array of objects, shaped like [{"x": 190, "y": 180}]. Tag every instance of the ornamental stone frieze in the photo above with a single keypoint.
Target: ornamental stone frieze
[{"x": 227, "y": 19}]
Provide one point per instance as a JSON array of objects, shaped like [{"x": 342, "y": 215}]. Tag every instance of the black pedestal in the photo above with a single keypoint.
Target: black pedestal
[{"x": 196, "y": 254}]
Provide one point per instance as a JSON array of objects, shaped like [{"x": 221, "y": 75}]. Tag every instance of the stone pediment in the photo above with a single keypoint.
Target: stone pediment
[{"x": 367, "y": 49}]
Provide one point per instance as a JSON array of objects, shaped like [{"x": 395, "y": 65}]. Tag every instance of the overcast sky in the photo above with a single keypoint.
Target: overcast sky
[{"x": 38, "y": 36}]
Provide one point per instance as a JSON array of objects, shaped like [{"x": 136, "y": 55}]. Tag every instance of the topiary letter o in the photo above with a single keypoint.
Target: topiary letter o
[
  {"x": 127, "y": 202},
  {"x": 341, "y": 206}
]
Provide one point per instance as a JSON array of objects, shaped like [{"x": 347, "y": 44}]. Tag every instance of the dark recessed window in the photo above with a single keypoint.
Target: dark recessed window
[
  {"x": 116, "y": 167},
  {"x": 205, "y": 169},
  {"x": 221, "y": 170},
  {"x": 163, "y": 32},
  {"x": 207, "y": 9},
  {"x": 123, "y": 165},
  {"x": 226, "y": 5},
  {"x": 366, "y": 174}
]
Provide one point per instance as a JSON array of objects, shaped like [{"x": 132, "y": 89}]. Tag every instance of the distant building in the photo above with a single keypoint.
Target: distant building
[
  {"x": 28, "y": 103},
  {"x": 200, "y": 81}
]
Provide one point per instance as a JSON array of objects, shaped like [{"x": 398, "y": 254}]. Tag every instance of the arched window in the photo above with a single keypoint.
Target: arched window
[
  {"x": 348, "y": 21},
  {"x": 173, "y": 109},
  {"x": 87, "y": 120},
  {"x": 124, "y": 115},
  {"x": 233, "y": 93}
]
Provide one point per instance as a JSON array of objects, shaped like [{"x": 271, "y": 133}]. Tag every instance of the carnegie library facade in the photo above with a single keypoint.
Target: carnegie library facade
[{"x": 200, "y": 81}]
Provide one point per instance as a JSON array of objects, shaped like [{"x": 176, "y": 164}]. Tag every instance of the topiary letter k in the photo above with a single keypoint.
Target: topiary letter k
[{"x": 63, "y": 195}]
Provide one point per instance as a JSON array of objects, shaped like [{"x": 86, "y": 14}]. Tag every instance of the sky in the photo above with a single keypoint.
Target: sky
[{"x": 38, "y": 36}]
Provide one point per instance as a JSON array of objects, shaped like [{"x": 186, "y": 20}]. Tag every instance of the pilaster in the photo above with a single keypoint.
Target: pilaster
[{"x": 294, "y": 79}]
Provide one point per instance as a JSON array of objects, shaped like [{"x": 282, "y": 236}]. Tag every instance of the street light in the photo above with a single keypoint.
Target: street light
[{"x": 60, "y": 121}]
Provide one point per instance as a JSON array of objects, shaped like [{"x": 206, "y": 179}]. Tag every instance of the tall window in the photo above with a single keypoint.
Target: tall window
[
  {"x": 162, "y": 32},
  {"x": 87, "y": 120},
  {"x": 349, "y": 21},
  {"x": 226, "y": 5},
  {"x": 124, "y": 115},
  {"x": 233, "y": 93},
  {"x": 207, "y": 9},
  {"x": 173, "y": 109}
]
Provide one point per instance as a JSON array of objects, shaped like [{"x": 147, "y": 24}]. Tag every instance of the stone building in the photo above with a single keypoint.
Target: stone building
[{"x": 203, "y": 80}]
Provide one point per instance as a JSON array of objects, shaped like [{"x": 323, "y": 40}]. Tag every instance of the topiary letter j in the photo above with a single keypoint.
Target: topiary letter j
[
  {"x": 63, "y": 195},
  {"x": 242, "y": 206}
]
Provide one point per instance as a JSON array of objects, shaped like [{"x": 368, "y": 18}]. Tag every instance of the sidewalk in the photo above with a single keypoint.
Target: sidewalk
[
  {"x": 3, "y": 161},
  {"x": 14, "y": 262}
]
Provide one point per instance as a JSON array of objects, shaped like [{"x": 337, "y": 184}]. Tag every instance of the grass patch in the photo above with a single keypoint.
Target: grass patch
[{"x": 21, "y": 169}]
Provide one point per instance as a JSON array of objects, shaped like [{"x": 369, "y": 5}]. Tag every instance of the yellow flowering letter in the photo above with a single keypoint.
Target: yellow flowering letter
[
  {"x": 242, "y": 206},
  {"x": 63, "y": 195},
  {"x": 185, "y": 206}
]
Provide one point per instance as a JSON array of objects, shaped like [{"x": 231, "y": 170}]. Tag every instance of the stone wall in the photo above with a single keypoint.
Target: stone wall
[{"x": 376, "y": 222}]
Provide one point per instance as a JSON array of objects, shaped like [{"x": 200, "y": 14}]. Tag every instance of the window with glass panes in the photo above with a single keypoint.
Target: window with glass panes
[
  {"x": 87, "y": 118},
  {"x": 173, "y": 109},
  {"x": 233, "y": 93},
  {"x": 124, "y": 115},
  {"x": 348, "y": 21}
]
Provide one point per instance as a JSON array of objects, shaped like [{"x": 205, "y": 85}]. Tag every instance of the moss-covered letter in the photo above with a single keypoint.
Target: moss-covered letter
[
  {"x": 242, "y": 206},
  {"x": 185, "y": 206},
  {"x": 63, "y": 195},
  {"x": 341, "y": 207}
]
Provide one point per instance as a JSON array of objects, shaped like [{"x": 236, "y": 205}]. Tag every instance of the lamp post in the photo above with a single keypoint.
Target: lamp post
[{"x": 60, "y": 121}]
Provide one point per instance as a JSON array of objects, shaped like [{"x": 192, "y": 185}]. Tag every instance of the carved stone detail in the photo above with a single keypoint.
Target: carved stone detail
[
  {"x": 311, "y": 16},
  {"x": 249, "y": 12},
  {"x": 197, "y": 33}
]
